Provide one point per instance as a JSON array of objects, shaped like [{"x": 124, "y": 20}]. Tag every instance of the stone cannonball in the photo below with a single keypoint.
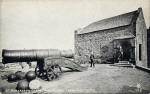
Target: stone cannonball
[
  {"x": 30, "y": 75},
  {"x": 23, "y": 85}
]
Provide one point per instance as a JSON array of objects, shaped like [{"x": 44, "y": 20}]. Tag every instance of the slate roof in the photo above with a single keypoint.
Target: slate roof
[{"x": 116, "y": 21}]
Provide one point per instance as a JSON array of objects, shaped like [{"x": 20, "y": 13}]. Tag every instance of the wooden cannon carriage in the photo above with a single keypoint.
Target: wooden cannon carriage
[{"x": 49, "y": 62}]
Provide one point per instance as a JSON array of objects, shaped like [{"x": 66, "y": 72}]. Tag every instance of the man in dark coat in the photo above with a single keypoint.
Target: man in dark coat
[{"x": 92, "y": 60}]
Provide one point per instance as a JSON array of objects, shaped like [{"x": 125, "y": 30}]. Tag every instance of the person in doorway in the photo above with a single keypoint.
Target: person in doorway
[
  {"x": 92, "y": 60},
  {"x": 121, "y": 54}
]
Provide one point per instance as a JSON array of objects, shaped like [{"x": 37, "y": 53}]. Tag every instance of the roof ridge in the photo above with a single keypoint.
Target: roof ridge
[
  {"x": 114, "y": 16},
  {"x": 111, "y": 22}
]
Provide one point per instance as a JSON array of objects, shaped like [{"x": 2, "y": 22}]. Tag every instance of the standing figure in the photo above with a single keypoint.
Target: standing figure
[
  {"x": 121, "y": 54},
  {"x": 92, "y": 60}
]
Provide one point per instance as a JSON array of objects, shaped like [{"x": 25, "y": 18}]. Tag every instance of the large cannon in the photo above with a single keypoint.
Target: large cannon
[
  {"x": 10, "y": 56},
  {"x": 49, "y": 61}
]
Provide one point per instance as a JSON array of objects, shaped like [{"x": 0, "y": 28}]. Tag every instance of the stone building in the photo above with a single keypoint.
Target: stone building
[
  {"x": 148, "y": 46},
  {"x": 122, "y": 37}
]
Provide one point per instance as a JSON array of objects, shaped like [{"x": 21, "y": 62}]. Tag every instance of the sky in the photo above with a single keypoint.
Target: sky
[{"x": 42, "y": 24}]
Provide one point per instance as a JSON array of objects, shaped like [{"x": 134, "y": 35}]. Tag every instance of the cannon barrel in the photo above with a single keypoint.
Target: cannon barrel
[{"x": 10, "y": 56}]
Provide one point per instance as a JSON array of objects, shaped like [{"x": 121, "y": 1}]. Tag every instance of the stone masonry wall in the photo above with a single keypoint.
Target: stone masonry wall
[
  {"x": 148, "y": 46},
  {"x": 141, "y": 38},
  {"x": 99, "y": 42}
]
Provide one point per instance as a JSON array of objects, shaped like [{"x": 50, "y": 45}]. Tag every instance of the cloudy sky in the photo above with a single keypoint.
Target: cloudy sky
[{"x": 43, "y": 24}]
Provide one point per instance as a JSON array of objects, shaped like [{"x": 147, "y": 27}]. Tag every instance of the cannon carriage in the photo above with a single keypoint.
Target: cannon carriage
[
  {"x": 47, "y": 70},
  {"x": 49, "y": 62}
]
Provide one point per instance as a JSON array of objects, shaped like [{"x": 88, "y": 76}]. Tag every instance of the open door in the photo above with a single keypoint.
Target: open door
[{"x": 126, "y": 49}]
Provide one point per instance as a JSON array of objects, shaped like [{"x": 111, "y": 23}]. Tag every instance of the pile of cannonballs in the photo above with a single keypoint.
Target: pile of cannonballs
[{"x": 26, "y": 81}]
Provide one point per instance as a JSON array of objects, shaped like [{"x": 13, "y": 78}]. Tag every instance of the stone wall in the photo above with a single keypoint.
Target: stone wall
[
  {"x": 148, "y": 46},
  {"x": 100, "y": 42},
  {"x": 141, "y": 38}
]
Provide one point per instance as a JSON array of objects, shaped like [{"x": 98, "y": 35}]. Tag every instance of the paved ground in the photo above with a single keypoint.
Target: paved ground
[
  {"x": 101, "y": 79},
  {"x": 104, "y": 79}
]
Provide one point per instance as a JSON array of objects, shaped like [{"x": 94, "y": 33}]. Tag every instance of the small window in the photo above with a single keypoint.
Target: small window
[{"x": 140, "y": 52}]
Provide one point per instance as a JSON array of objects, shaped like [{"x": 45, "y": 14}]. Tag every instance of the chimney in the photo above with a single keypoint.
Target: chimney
[{"x": 139, "y": 9}]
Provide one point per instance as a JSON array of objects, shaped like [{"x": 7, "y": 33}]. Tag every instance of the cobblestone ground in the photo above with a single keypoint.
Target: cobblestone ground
[{"x": 101, "y": 79}]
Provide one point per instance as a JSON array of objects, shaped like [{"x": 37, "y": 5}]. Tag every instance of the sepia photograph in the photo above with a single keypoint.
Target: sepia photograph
[{"x": 74, "y": 46}]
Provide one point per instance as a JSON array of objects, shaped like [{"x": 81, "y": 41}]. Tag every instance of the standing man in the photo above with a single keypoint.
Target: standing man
[
  {"x": 92, "y": 60},
  {"x": 121, "y": 54}
]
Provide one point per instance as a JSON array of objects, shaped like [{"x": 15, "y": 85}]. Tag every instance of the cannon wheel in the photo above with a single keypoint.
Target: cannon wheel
[
  {"x": 39, "y": 72},
  {"x": 50, "y": 74},
  {"x": 53, "y": 72}
]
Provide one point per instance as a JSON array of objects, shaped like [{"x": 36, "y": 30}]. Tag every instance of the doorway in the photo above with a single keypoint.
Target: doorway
[{"x": 126, "y": 50}]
